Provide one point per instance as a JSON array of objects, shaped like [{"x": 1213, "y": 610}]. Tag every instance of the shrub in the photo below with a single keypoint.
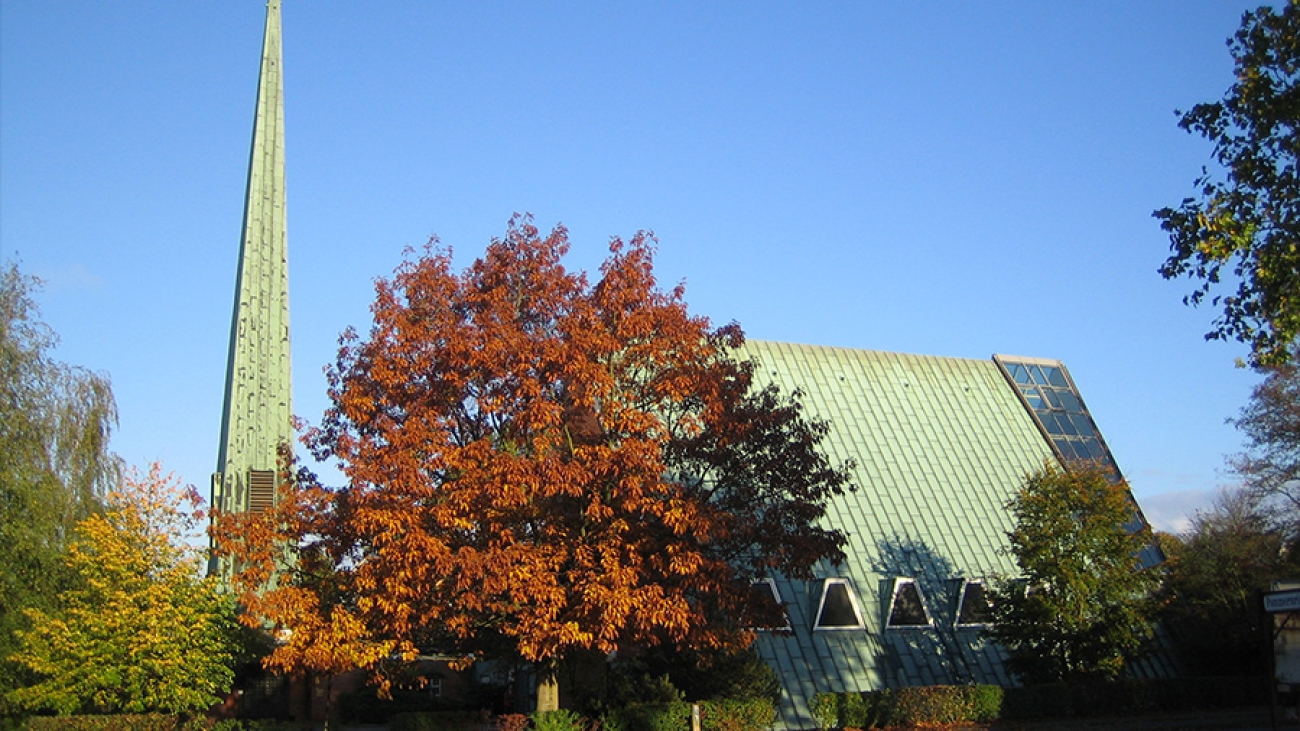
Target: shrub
[
  {"x": 985, "y": 702},
  {"x": 737, "y": 715},
  {"x": 118, "y": 722},
  {"x": 511, "y": 722},
  {"x": 561, "y": 720},
  {"x": 920, "y": 705},
  {"x": 674, "y": 716}
]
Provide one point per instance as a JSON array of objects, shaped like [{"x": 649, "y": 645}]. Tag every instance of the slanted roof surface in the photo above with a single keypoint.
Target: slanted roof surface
[{"x": 940, "y": 446}]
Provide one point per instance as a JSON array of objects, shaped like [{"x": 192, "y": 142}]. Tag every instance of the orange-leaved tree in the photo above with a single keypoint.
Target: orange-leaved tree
[{"x": 545, "y": 464}]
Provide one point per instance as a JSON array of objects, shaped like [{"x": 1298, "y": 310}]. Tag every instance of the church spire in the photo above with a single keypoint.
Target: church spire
[{"x": 256, "y": 417}]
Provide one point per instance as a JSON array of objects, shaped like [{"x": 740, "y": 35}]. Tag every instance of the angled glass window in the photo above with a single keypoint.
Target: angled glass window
[
  {"x": 765, "y": 597},
  {"x": 907, "y": 605},
  {"x": 973, "y": 607},
  {"x": 838, "y": 608}
]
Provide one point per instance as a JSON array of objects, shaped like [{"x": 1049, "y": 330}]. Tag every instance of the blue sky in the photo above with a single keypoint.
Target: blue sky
[{"x": 952, "y": 179}]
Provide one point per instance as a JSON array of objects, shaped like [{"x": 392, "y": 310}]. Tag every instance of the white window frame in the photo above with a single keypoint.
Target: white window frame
[
  {"x": 899, "y": 582},
  {"x": 961, "y": 604},
  {"x": 853, "y": 601}
]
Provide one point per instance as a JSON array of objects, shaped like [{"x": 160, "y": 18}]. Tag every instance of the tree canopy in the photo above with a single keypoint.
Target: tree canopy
[
  {"x": 1217, "y": 573},
  {"x": 55, "y": 465},
  {"x": 139, "y": 631},
  {"x": 1081, "y": 607},
  {"x": 1270, "y": 465},
  {"x": 1245, "y": 226},
  {"x": 539, "y": 465}
]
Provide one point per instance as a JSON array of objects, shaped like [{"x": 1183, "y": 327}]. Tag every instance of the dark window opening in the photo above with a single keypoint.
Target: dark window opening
[
  {"x": 838, "y": 608},
  {"x": 975, "y": 607},
  {"x": 908, "y": 608}
]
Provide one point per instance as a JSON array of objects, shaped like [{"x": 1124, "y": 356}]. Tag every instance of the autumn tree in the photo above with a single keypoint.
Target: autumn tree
[
  {"x": 1217, "y": 573},
  {"x": 1244, "y": 225},
  {"x": 1081, "y": 607},
  {"x": 542, "y": 465},
  {"x": 139, "y": 631},
  {"x": 1270, "y": 466},
  {"x": 55, "y": 465}
]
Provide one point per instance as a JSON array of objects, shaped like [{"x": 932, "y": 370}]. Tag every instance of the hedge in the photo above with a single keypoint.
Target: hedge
[
  {"x": 718, "y": 715},
  {"x": 150, "y": 722},
  {"x": 913, "y": 705},
  {"x": 950, "y": 704}
]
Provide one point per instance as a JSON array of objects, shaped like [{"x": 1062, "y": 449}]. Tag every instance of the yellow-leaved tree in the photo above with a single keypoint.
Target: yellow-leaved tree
[{"x": 140, "y": 631}]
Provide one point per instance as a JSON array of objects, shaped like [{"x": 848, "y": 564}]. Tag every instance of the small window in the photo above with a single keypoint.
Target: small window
[
  {"x": 907, "y": 606},
  {"x": 838, "y": 608},
  {"x": 766, "y": 600},
  {"x": 973, "y": 608}
]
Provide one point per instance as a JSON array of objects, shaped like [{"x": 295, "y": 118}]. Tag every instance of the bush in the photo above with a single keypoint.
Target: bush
[
  {"x": 117, "y": 722},
  {"x": 674, "y": 716},
  {"x": 511, "y": 722},
  {"x": 720, "y": 715},
  {"x": 737, "y": 715},
  {"x": 561, "y": 720},
  {"x": 918, "y": 705}
]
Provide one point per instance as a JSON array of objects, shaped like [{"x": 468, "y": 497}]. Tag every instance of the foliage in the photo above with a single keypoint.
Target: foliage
[
  {"x": 1216, "y": 576},
  {"x": 735, "y": 714},
  {"x": 559, "y": 720},
  {"x": 731, "y": 674},
  {"x": 1270, "y": 465},
  {"x": 511, "y": 722},
  {"x": 1246, "y": 225},
  {"x": 538, "y": 466},
  {"x": 139, "y": 631},
  {"x": 55, "y": 422},
  {"x": 666, "y": 674},
  {"x": 908, "y": 706},
  {"x": 715, "y": 715},
  {"x": 153, "y": 722},
  {"x": 1082, "y": 607}
]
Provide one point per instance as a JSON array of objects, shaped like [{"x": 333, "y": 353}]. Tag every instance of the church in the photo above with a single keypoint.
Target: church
[{"x": 939, "y": 445}]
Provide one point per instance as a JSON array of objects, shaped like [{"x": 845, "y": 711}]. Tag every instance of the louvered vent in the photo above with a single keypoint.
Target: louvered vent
[{"x": 261, "y": 490}]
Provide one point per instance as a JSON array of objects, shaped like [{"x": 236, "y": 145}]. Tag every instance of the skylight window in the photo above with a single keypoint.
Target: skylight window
[
  {"x": 838, "y": 608},
  {"x": 974, "y": 608},
  {"x": 907, "y": 605}
]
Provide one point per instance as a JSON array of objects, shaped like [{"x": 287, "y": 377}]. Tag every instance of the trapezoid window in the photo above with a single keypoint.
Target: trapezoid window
[
  {"x": 907, "y": 605},
  {"x": 768, "y": 607},
  {"x": 838, "y": 608},
  {"x": 973, "y": 606}
]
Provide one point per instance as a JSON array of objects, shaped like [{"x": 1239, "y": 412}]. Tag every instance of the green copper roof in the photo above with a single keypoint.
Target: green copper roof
[
  {"x": 256, "y": 416},
  {"x": 940, "y": 444}
]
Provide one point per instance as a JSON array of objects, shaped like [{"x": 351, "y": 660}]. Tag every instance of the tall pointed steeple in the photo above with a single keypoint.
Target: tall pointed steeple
[{"x": 255, "y": 420}]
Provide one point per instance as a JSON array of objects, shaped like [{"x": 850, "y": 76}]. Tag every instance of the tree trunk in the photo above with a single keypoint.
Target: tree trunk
[{"x": 548, "y": 687}]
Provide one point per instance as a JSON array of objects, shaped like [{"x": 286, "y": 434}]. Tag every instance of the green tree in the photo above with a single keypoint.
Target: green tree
[
  {"x": 1245, "y": 226},
  {"x": 55, "y": 422},
  {"x": 139, "y": 631},
  {"x": 1216, "y": 575},
  {"x": 1270, "y": 466},
  {"x": 1081, "y": 607}
]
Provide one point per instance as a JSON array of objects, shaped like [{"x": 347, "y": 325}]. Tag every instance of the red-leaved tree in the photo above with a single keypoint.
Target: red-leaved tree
[{"x": 541, "y": 464}]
